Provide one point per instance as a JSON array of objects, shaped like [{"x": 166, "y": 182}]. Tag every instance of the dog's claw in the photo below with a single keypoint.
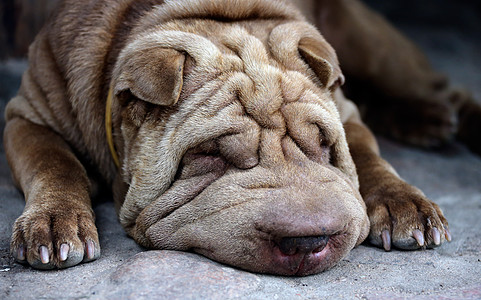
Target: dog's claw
[
  {"x": 386, "y": 240},
  {"x": 64, "y": 249},
  {"x": 436, "y": 236},
  {"x": 419, "y": 237},
  {"x": 447, "y": 234},
  {"x": 44, "y": 256},
  {"x": 21, "y": 253},
  {"x": 90, "y": 249}
]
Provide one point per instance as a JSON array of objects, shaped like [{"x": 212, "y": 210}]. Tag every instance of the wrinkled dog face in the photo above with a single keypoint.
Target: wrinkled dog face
[{"x": 231, "y": 146}]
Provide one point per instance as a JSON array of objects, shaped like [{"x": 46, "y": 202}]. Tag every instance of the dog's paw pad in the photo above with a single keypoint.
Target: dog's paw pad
[{"x": 55, "y": 240}]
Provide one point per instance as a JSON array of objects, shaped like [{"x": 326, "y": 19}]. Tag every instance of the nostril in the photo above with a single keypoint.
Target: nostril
[{"x": 293, "y": 245}]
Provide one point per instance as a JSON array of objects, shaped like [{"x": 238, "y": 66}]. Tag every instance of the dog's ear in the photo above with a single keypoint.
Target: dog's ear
[
  {"x": 323, "y": 62},
  {"x": 154, "y": 75}
]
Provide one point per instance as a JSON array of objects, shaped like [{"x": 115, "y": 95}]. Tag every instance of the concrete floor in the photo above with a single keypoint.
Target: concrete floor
[{"x": 451, "y": 177}]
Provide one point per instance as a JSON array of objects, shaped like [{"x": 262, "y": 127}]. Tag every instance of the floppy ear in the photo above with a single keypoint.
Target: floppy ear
[
  {"x": 323, "y": 62},
  {"x": 153, "y": 75}
]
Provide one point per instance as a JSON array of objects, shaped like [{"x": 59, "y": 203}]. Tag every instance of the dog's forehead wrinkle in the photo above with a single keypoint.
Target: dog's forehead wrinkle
[
  {"x": 247, "y": 46},
  {"x": 254, "y": 58},
  {"x": 302, "y": 114},
  {"x": 271, "y": 85}
]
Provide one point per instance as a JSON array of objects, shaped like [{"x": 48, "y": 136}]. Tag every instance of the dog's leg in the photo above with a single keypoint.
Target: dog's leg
[
  {"x": 398, "y": 91},
  {"x": 399, "y": 214},
  {"x": 57, "y": 227}
]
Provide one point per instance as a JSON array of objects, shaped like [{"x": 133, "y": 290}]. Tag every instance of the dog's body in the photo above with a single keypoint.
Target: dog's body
[{"x": 231, "y": 131}]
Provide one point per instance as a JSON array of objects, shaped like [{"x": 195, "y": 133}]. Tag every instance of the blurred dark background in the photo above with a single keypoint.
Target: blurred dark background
[
  {"x": 416, "y": 18},
  {"x": 442, "y": 14},
  {"x": 20, "y": 21}
]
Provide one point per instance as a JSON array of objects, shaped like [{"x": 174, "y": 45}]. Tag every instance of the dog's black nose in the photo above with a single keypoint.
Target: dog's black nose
[{"x": 307, "y": 244}]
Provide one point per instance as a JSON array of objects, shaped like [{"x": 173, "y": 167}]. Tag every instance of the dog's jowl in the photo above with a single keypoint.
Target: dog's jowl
[{"x": 220, "y": 127}]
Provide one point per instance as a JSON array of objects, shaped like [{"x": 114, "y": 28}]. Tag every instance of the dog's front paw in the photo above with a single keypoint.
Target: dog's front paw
[
  {"x": 55, "y": 237},
  {"x": 401, "y": 216}
]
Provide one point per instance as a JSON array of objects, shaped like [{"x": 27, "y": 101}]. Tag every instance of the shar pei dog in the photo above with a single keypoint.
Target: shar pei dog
[{"x": 221, "y": 128}]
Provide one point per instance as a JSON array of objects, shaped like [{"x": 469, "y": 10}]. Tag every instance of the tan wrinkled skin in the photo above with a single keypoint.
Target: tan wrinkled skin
[{"x": 232, "y": 136}]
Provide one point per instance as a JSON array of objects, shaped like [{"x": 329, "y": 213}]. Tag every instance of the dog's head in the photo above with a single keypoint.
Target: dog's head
[{"x": 231, "y": 145}]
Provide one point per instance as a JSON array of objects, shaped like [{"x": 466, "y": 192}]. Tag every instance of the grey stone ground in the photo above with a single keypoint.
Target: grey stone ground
[{"x": 451, "y": 177}]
